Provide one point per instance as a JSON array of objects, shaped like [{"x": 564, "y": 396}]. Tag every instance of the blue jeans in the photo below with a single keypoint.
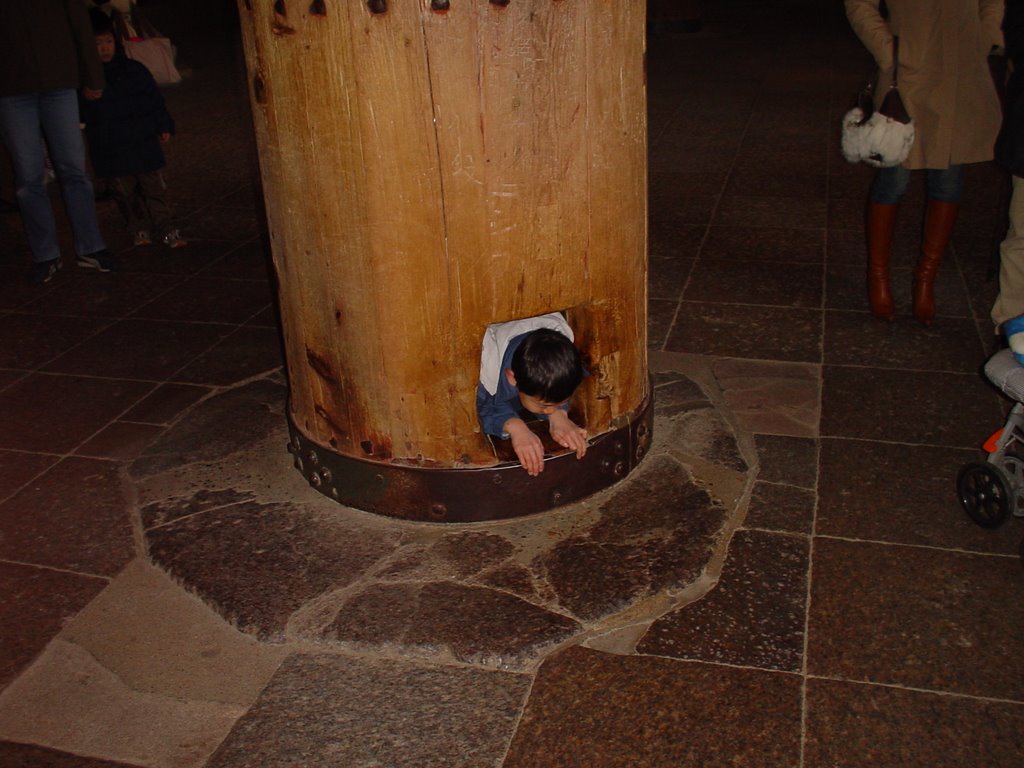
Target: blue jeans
[
  {"x": 889, "y": 184},
  {"x": 24, "y": 122}
]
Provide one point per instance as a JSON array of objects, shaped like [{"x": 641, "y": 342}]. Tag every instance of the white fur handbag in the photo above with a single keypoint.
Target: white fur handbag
[{"x": 881, "y": 137}]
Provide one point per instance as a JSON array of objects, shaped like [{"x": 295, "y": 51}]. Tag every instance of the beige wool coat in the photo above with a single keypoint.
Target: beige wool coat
[{"x": 943, "y": 72}]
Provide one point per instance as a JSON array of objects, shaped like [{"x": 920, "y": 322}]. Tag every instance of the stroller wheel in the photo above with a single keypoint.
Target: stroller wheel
[{"x": 985, "y": 493}]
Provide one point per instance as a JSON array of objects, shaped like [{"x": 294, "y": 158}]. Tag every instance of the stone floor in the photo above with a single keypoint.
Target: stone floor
[{"x": 786, "y": 580}]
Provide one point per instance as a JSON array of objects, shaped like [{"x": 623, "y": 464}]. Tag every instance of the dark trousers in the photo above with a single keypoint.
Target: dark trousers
[{"x": 142, "y": 200}]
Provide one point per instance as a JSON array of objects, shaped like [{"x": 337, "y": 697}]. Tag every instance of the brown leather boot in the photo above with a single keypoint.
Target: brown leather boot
[
  {"x": 938, "y": 229},
  {"x": 881, "y": 223}
]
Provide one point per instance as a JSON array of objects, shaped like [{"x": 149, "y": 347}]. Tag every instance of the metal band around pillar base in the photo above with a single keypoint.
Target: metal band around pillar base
[{"x": 473, "y": 494}]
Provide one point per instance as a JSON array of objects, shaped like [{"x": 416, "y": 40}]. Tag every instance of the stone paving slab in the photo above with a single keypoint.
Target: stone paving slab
[
  {"x": 142, "y": 652},
  {"x": 99, "y": 716},
  {"x": 325, "y": 711},
  {"x": 605, "y": 711},
  {"x": 14, "y": 755}
]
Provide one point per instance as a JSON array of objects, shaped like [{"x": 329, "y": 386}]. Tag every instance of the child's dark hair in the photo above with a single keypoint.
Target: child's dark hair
[
  {"x": 547, "y": 366},
  {"x": 101, "y": 23}
]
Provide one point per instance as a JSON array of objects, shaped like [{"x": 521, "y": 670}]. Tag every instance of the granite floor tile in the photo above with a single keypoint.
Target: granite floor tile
[
  {"x": 670, "y": 239},
  {"x": 744, "y": 180},
  {"x": 787, "y": 459},
  {"x": 904, "y": 494},
  {"x": 15, "y": 755},
  {"x": 667, "y": 276},
  {"x": 117, "y": 297},
  {"x": 237, "y": 420},
  {"x": 204, "y": 299},
  {"x": 165, "y": 403},
  {"x": 248, "y": 198},
  {"x": 18, "y": 467},
  {"x": 247, "y": 352},
  {"x": 754, "y": 615},
  {"x": 136, "y": 348},
  {"x": 53, "y": 414},
  {"x": 29, "y": 341},
  {"x": 771, "y": 397},
  {"x": 159, "y": 260},
  {"x": 689, "y": 210},
  {"x": 929, "y": 407},
  {"x": 776, "y": 507},
  {"x": 857, "y": 338},
  {"x": 250, "y": 261},
  {"x": 762, "y": 333},
  {"x": 756, "y": 282},
  {"x": 682, "y": 158},
  {"x": 218, "y": 222},
  {"x": 851, "y": 725},
  {"x": 120, "y": 440},
  {"x": 757, "y": 211},
  {"x": 849, "y": 247},
  {"x": 265, "y": 318},
  {"x": 37, "y": 602},
  {"x": 847, "y": 289},
  {"x": 599, "y": 710},
  {"x": 809, "y": 156},
  {"x": 844, "y": 213},
  {"x": 7, "y": 378},
  {"x": 850, "y": 186},
  {"x": 803, "y": 246},
  {"x": 88, "y": 531},
  {"x": 329, "y": 711},
  {"x": 15, "y": 290},
  {"x": 665, "y": 187},
  {"x": 982, "y": 288},
  {"x": 661, "y": 315},
  {"x": 916, "y": 617}
]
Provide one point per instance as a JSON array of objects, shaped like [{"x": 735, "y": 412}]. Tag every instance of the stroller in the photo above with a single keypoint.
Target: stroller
[{"x": 992, "y": 490}]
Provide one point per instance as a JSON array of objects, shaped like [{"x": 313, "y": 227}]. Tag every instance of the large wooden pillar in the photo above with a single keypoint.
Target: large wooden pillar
[{"x": 430, "y": 167}]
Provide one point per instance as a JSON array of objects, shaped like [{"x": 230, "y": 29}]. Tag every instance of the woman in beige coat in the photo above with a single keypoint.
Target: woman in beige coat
[{"x": 947, "y": 89}]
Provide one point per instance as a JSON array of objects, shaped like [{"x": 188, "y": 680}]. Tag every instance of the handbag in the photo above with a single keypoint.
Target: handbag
[
  {"x": 146, "y": 45},
  {"x": 881, "y": 138}
]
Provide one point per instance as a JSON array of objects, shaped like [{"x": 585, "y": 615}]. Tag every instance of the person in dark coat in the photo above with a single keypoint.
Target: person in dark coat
[
  {"x": 46, "y": 54},
  {"x": 125, "y": 129},
  {"x": 1010, "y": 154}
]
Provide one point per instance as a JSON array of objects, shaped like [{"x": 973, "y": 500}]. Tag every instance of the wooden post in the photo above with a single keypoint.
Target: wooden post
[{"x": 430, "y": 167}]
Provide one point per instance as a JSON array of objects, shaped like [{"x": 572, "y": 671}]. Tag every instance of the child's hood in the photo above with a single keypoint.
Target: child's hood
[{"x": 497, "y": 338}]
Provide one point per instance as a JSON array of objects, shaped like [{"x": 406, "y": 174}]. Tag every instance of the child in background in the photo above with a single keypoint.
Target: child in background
[
  {"x": 530, "y": 365},
  {"x": 124, "y": 129}
]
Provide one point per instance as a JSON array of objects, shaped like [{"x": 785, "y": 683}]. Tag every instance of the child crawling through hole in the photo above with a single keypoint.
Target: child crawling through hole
[{"x": 530, "y": 365}]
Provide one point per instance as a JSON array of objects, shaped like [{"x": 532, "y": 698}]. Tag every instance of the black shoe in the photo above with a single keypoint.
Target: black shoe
[
  {"x": 43, "y": 271},
  {"x": 104, "y": 261}
]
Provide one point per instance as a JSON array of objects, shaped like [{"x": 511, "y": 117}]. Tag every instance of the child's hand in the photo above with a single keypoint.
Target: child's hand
[
  {"x": 91, "y": 94},
  {"x": 528, "y": 447},
  {"x": 165, "y": 136},
  {"x": 567, "y": 434}
]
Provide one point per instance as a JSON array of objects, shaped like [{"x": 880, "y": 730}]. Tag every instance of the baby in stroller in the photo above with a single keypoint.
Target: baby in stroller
[{"x": 992, "y": 490}]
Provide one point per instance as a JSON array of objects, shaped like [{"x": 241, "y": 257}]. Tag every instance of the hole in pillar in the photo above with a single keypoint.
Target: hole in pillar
[
  {"x": 496, "y": 354},
  {"x": 367, "y": 447},
  {"x": 377, "y": 6},
  {"x": 318, "y": 8}
]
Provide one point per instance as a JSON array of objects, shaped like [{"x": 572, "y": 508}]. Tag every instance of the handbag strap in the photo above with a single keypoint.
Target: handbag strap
[{"x": 895, "y": 59}]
